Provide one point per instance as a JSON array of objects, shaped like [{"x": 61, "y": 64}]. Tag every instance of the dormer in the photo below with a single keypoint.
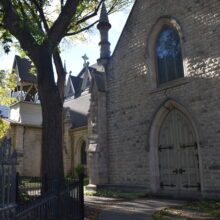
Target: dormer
[
  {"x": 80, "y": 84},
  {"x": 69, "y": 89}
]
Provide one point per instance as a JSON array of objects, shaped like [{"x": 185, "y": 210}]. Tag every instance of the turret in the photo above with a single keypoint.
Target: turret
[{"x": 103, "y": 27}]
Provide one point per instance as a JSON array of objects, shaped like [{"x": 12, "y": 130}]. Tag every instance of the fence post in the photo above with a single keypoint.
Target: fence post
[
  {"x": 55, "y": 184},
  {"x": 17, "y": 188},
  {"x": 81, "y": 196}
]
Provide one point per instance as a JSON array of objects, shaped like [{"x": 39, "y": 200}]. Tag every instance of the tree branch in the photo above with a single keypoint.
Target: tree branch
[
  {"x": 60, "y": 26},
  {"x": 13, "y": 23},
  {"x": 22, "y": 9},
  {"x": 60, "y": 73},
  {"x": 91, "y": 15},
  {"x": 83, "y": 29},
  {"x": 35, "y": 16},
  {"x": 42, "y": 16}
]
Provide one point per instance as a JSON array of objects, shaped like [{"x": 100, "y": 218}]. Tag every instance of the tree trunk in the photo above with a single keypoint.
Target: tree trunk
[{"x": 52, "y": 112}]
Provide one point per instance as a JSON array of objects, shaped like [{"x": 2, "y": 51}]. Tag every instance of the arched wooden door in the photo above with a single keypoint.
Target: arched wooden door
[{"x": 178, "y": 154}]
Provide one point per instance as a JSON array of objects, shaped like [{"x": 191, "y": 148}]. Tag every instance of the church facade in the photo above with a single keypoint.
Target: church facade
[
  {"x": 155, "y": 126},
  {"x": 147, "y": 117}
]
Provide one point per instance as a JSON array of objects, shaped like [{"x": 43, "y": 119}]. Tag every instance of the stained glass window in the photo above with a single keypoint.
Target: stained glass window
[{"x": 169, "y": 56}]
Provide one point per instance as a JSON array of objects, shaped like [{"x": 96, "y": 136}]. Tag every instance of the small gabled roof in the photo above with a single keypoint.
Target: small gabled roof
[
  {"x": 77, "y": 83},
  {"x": 99, "y": 80},
  {"x": 24, "y": 66},
  {"x": 82, "y": 72},
  {"x": 78, "y": 109}
]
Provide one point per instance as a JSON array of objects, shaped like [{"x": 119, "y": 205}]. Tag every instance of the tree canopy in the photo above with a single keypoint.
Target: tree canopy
[
  {"x": 7, "y": 84},
  {"x": 49, "y": 21}
]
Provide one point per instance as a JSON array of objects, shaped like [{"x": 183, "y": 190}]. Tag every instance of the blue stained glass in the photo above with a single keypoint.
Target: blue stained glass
[{"x": 169, "y": 56}]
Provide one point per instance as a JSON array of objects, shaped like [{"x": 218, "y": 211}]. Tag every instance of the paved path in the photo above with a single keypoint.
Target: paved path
[{"x": 119, "y": 209}]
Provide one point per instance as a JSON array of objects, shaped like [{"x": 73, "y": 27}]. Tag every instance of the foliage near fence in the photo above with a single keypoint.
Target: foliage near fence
[
  {"x": 21, "y": 198},
  {"x": 60, "y": 202}
]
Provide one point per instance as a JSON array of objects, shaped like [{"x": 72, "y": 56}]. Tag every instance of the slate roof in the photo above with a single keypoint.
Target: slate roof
[
  {"x": 78, "y": 80},
  {"x": 92, "y": 67},
  {"x": 77, "y": 83},
  {"x": 78, "y": 108},
  {"x": 99, "y": 80},
  {"x": 24, "y": 67}
]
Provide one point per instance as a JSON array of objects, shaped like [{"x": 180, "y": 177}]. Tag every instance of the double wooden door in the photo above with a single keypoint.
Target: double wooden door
[{"x": 178, "y": 154}]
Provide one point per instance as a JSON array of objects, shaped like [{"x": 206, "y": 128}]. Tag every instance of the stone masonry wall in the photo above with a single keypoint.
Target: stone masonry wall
[
  {"x": 26, "y": 141},
  {"x": 97, "y": 134},
  {"x": 133, "y": 96},
  {"x": 32, "y": 151}
]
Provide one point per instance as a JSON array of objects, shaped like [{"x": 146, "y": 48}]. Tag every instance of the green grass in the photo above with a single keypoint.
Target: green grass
[
  {"x": 85, "y": 181},
  {"x": 111, "y": 194},
  {"x": 203, "y": 205},
  {"x": 198, "y": 210}
]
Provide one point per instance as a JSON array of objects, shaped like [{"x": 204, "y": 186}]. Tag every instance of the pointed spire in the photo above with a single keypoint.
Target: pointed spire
[
  {"x": 103, "y": 27},
  {"x": 104, "y": 16}
]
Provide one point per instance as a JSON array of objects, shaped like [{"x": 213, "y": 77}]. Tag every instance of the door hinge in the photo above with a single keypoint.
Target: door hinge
[
  {"x": 162, "y": 185},
  {"x": 175, "y": 171},
  {"x": 198, "y": 185},
  {"x": 181, "y": 171},
  {"x": 190, "y": 145},
  {"x": 165, "y": 148}
]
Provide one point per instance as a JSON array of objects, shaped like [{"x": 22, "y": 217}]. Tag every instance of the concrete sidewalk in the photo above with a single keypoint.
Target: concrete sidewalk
[{"x": 138, "y": 209}]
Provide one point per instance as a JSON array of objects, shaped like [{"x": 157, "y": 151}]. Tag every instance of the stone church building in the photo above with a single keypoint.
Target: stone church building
[
  {"x": 156, "y": 127},
  {"x": 147, "y": 116}
]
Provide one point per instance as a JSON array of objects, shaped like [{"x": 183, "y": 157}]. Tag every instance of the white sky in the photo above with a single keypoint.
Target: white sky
[{"x": 73, "y": 52}]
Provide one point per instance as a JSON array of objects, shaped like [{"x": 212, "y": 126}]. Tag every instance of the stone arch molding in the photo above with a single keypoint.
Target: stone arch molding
[
  {"x": 159, "y": 117},
  {"x": 79, "y": 143},
  {"x": 77, "y": 149},
  {"x": 156, "y": 29}
]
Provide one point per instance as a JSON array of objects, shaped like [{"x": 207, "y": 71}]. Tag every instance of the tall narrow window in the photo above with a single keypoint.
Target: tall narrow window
[
  {"x": 83, "y": 153},
  {"x": 169, "y": 56}
]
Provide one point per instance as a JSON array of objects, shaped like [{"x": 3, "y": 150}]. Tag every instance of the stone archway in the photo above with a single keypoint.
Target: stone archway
[
  {"x": 80, "y": 152},
  {"x": 174, "y": 151}
]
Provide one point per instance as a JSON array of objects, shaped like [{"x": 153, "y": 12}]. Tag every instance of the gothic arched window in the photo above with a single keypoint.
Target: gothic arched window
[
  {"x": 169, "y": 55},
  {"x": 83, "y": 153}
]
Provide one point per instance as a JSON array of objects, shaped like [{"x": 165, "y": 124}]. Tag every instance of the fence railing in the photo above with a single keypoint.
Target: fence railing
[
  {"x": 7, "y": 179},
  {"x": 66, "y": 202},
  {"x": 21, "y": 197},
  {"x": 27, "y": 188}
]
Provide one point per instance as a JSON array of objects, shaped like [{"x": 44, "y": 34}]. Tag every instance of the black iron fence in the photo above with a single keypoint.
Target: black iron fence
[
  {"x": 61, "y": 202},
  {"x": 7, "y": 179},
  {"x": 21, "y": 198},
  {"x": 27, "y": 189}
]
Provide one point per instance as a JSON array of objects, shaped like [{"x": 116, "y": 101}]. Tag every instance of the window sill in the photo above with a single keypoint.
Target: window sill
[{"x": 170, "y": 84}]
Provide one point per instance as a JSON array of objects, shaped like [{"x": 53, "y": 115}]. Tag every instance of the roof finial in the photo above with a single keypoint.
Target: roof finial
[{"x": 85, "y": 58}]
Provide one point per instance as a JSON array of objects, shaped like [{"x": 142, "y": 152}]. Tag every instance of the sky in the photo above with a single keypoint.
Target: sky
[{"x": 72, "y": 52}]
